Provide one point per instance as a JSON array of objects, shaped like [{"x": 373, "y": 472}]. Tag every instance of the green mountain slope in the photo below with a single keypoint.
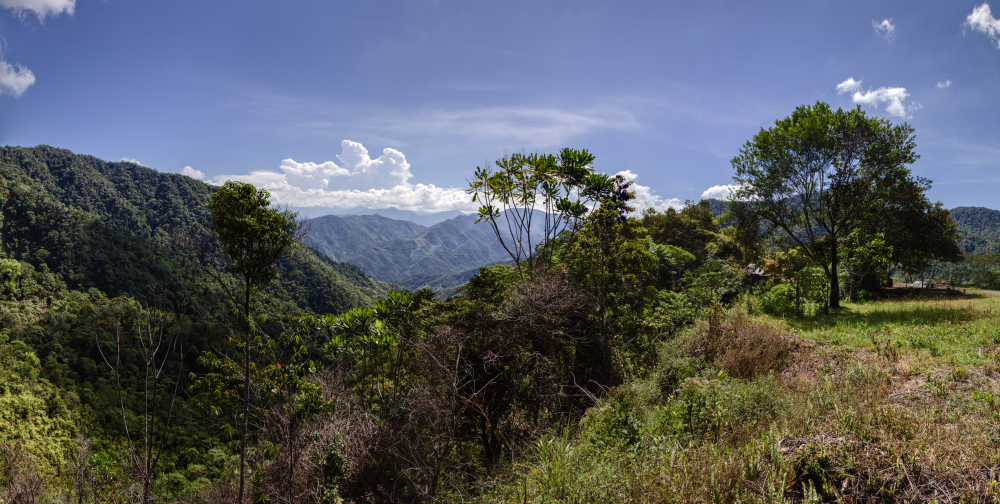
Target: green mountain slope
[
  {"x": 437, "y": 257},
  {"x": 109, "y": 226},
  {"x": 980, "y": 229},
  {"x": 344, "y": 238}
]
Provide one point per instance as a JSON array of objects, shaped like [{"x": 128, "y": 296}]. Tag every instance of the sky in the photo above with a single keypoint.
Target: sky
[{"x": 334, "y": 105}]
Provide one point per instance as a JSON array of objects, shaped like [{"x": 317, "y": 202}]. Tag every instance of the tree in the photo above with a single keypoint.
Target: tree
[
  {"x": 613, "y": 263},
  {"x": 282, "y": 397},
  {"x": 160, "y": 353},
  {"x": 527, "y": 187},
  {"x": 254, "y": 237},
  {"x": 693, "y": 228},
  {"x": 817, "y": 175}
]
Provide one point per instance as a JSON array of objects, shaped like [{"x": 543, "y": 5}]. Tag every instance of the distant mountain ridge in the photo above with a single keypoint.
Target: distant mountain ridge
[
  {"x": 424, "y": 219},
  {"x": 444, "y": 255}
]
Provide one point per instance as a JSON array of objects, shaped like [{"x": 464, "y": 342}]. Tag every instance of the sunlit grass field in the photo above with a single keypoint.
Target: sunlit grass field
[{"x": 887, "y": 401}]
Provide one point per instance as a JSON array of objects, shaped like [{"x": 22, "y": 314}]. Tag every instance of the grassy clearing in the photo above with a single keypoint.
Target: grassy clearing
[{"x": 891, "y": 401}]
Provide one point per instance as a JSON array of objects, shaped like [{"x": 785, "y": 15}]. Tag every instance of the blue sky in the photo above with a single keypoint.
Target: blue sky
[{"x": 394, "y": 103}]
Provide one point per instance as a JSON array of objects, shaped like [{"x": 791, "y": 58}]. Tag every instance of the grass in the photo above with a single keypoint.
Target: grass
[{"x": 889, "y": 401}]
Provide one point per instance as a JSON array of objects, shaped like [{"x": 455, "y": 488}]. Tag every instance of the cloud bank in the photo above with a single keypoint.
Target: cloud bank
[
  {"x": 41, "y": 8},
  {"x": 894, "y": 98},
  {"x": 356, "y": 179},
  {"x": 885, "y": 29},
  {"x": 15, "y": 79},
  {"x": 982, "y": 20}
]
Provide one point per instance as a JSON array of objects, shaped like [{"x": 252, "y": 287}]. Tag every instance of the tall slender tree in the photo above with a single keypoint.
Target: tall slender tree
[{"x": 254, "y": 237}]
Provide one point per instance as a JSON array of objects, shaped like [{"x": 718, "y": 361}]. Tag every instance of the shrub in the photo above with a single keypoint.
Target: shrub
[
  {"x": 748, "y": 349},
  {"x": 779, "y": 301}
]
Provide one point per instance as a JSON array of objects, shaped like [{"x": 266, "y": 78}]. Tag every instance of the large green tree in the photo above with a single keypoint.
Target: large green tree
[
  {"x": 819, "y": 174},
  {"x": 254, "y": 237}
]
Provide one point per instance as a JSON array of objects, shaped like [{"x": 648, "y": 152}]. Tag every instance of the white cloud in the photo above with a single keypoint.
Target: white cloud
[
  {"x": 41, "y": 8},
  {"x": 885, "y": 29},
  {"x": 719, "y": 192},
  {"x": 646, "y": 198},
  {"x": 356, "y": 171},
  {"x": 848, "y": 86},
  {"x": 893, "y": 98},
  {"x": 944, "y": 84},
  {"x": 126, "y": 159},
  {"x": 191, "y": 172},
  {"x": 982, "y": 20},
  {"x": 15, "y": 80},
  {"x": 358, "y": 181}
]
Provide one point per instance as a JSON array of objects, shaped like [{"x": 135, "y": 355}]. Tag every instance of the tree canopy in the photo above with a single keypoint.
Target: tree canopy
[{"x": 819, "y": 174}]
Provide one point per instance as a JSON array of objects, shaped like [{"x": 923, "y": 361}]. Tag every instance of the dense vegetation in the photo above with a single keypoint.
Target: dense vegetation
[
  {"x": 88, "y": 249},
  {"x": 980, "y": 228},
  {"x": 660, "y": 357}
]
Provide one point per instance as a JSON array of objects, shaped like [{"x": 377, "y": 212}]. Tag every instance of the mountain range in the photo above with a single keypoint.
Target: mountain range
[
  {"x": 426, "y": 219},
  {"x": 446, "y": 254},
  {"x": 112, "y": 226},
  {"x": 443, "y": 255}
]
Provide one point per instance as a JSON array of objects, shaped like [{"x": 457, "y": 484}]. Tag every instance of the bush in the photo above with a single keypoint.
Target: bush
[
  {"x": 779, "y": 301},
  {"x": 748, "y": 349},
  {"x": 671, "y": 312},
  {"x": 672, "y": 371}
]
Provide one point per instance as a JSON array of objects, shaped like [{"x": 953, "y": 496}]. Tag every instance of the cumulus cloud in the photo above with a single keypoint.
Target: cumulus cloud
[
  {"x": 357, "y": 171},
  {"x": 15, "y": 79},
  {"x": 719, "y": 192},
  {"x": 849, "y": 86},
  {"x": 126, "y": 159},
  {"x": 894, "y": 98},
  {"x": 982, "y": 20},
  {"x": 355, "y": 180},
  {"x": 41, "y": 8},
  {"x": 191, "y": 172},
  {"x": 646, "y": 198},
  {"x": 358, "y": 180},
  {"x": 885, "y": 29},
  {"x": 944, "y": 84}
]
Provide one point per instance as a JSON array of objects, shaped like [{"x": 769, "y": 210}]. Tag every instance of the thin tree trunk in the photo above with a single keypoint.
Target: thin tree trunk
[
  {"x": 834, "y": 277},
  {"x": 246, "y": 391}
]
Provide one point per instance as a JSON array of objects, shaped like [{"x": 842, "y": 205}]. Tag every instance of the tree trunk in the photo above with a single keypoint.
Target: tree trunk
[
  {"x": 834, "y": 277},
  {"x": 246, "y": 392}
]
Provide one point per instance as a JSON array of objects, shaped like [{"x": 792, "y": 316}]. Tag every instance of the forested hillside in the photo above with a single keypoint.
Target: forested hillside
[
  {"x": 114, "y": 227},
  {"x": 90, "y": 253},
  {"x": 980, "y": 228}
]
